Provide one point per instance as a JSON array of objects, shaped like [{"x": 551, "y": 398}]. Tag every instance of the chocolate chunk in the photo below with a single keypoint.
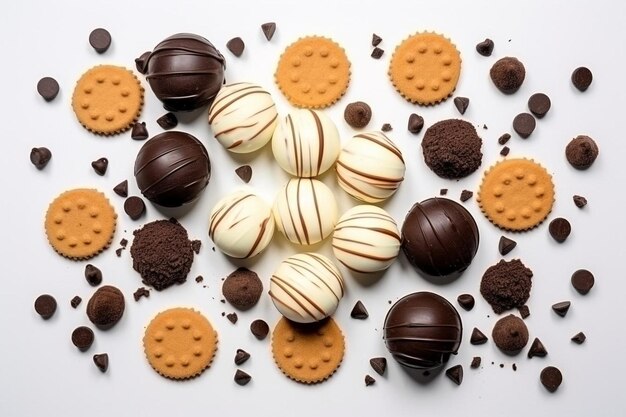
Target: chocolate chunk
[
  {"x": 485, "y": 48},
  {"x": 466, "y": 301},
  {"x": 369, "y": 380},
  {"x": 376, "y": 39},
  {"x": 443, "y": 191},
  {"x": 524, "y": 311},
  {"x": 455, "y": 373},
  {"x": 461, "y": 104},
  {"x": 580, "y": 201},
  {"x": 524, "y": 124},
  {"x": 537, "y": 349},
  {"x": 379, "y": 365},
  {"x": 359, "y": 311},
  {"x": 582, "y": 281},
  {"x": 244, "y": 172},
  {"x": 508, "y": 74},
  {"x": 141, "y": 292},
  {"x": 514, "y": 367},
  {"x": 466, "y": 195},
  {"x": 561, "y": 308},
  {"x": 75, "y": 302},
  {"x": 506, "y": 245},
  {"x": 123, "y": 243},
  {"x": 100, "y": 40},
  {"x": 45, "y": 306},
  {"x": 476, "y": 360},
  {"x": 539, "y": 104},
  {"x": 199, "y": 278},
  {"x": 40, "y": 157},
  {"x": 581, "y": 152},
  {"x": 505, "y": 151},
  {"x": 416, "y": 123},
  {"x": 241, "y": 356},
  {"x": 377, "y": 53},
  {"x": 242, "y": 378},
  {"x": 121, "y": 189},
  {"x": 242, "y": 288},
  {"x": 102, "y": 361},
  {"x": 357, "y": 114},
  {"x": 82, "y": 338},
  {"x": 236, "y": 46},
  {"x": 551, "y": 378},
  {"x": 196, "y": 245},
  {"x": 506, "y": 285},
  {"x": 118, "y": 252},
  {"x": 582, "y": 78},
  {"x": 504, "y": 138},
  {"x": 560, "y": 229},
  {"x": 579, "y": 338},
  {"x": 485, "y": 127},
  {"x": 232, "y": 317},
  {"x": 168, "y": 121},
  {"x": 139, "y": 132},
  {"x": 140, "y": 63},
  {"x": 478, "y": 337},
  {"x": 386, "y": 127},
  {"x": 510, "y": 334},
  {"x": 100, "y": 166},
  {"x": 268, "y": 30},
  {"x": 259, "y": 329},
  {"x": 134, "y": 207},
  {"x": 48, "y": 88},
  {"x": 93, "y": 275}
]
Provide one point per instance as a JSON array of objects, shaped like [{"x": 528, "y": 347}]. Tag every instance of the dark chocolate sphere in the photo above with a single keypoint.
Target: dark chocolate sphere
[
  {"x": 439, "y": 237},
  {"x": 421, "y": 330},
  {"x": 106, "y": 307},
  {"x": 172, "y": 169},
  {"x": 185, "y": 71}
]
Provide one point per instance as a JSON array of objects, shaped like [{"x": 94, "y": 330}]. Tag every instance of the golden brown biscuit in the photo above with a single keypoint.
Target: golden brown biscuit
[
  {"x": 516, "y": 194},
  {"x": 425, "y": 68},
  {"x": 308, "y": 353},
  {"x": 180, "y": 343},
  {"x": 313, "y": 72},
  {"x": 107, "y": 99},
  {"x": 80, "y": 223}
]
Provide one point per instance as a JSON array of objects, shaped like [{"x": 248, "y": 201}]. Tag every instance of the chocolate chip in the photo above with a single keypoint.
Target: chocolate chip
[
  {"x": 582, "y": 78},
  {"x": 416, "y": 123},
  {"x": 168, "y": 121},
  {"x": 377, "y": 53},
  {"x": 443, "y": 191},
  {"x": 551, "y": 378},
  {"x": 75, "y": 302},
  {"x": 102, "y": 361},
  {"x": 582, "y": 281},
  {"x": 268, "y": 30},
  {"x": 241, "y": 356},
  {"x": 478, "y": 337},
  {"x": 524, "y": 124},
  {"x": 40, "y": 157},
  {"x": 539, "y": 104},
  {"x": 100, "y": 40},
  {"x": 48, "y": 88},
  {"x": 561, "y": 308},
  {"x": 560, "y": 229},
  {"x": 461, "y": 104},
  {"x": 232, "y": 317},
  {"x": 242, "y": 378},
  {"x": 121, "y": 189},
  {"x": 196, "y": 245},
  {"x": 357, "y": 114},
  {"x": 376, "y": 39},
  {"x": 100, "y": 166},
  {"x": 82, "y": 338},
  {"x": 379, "y": 365},
  {"x": 466, "y": 301},
  {"x": 199, "y": 278},
  {"x": 455, "y": 374},
  {"x": 386, "y": 127},
  {"x": 505, "y": 151},
  {"x": 140, "y": 63},
  {"x": 244, "y": 172},
  {"x": 466, "y": 195},
  {"x": 506, "y": 245},
  {"x": 524, "y": 311},
  {"x": 259, "y": 329},
  {"x": 369, "y": 380},
  {"x": 476, "y": 360},
  {"x": 485, "y": 48},
  {"x": 45, "y": 306},
  {"x": 139, "y": 132},
  {"x": 580, "y": 201},
  {"x": 93, "y": 275},
  {"x": 359, "y": 311},
  {"x": 236, "y": 46},
  {"x": 134, "y": 207},
  {"x": 537, "y": 349},
  {"x": 579, "y": 338},
  {"x": 504, "y": 138},
  {"x": 141, "y": 292}
]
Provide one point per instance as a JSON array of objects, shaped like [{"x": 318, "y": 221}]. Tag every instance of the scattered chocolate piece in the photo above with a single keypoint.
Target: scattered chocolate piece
[
  {"x": 579, "y": 338},
  {"x": 582, "y": 78},
  {"x": 506, "y": 285},
  {"x": 551, "y": 378},
  {"x": 539, "y": 104},
  {"x": 168, "y": 121},
  {"x": 141, "y": 292},
  {"x": 199, "y": 278},
  {"x": 242, "y": 288},
  {"x": 485, "y": 127},
  {"x": 501, "y": 365},
  {"x": 195, "y": 246},
  {"x": 466, "y": 301},
  {"x": 478, "y": 337},
  {"x": 223, "y": 301},
  {"x": 560, "y": 229},
  {"x": 242, "y": 378},
  {"x": 369, "y": 380},
  {"x": 139, "y": 132},
  {"x": 376, "y": 39},
  {"x": 40, "y": 157},
  {"x": 377, "y": 53},
  {"x": 140, "y": 63},
  {"x": 93, "y": 275},
  {"x": 582, "y": 281},
  {"x": 581, "y": 152},
  {"x": 386, "y": 127},
  {"x": 118, "y": 252},
  {"x": 48, "y": 88},
  {"x": 476, "y": 360},
  {"x": 514, "y": 366},
  {"x": 45, "y": 306},
  {"x": 508, "y": 74},
  {"x": 510, "y": 334},
  {"x": 461, "y": 104},
  {"x": 416, "y": 123},
  {"x": 134, "y": 207},
  {"x": 102, "y": 361},
  {"x": 524, "y": 311},
  {"x": 259, "y": 329},
  {"x": 466, "y": 195},
  {"x": 232, "y": 317},
  {"x": 359, "y": 311},
  {"x": 82, "y": 338},
  {"x": 75, "y": 302},
  {"x": 443, "y": 191},
  {"x": 505, "y": 151},
  {"x": 561, "y": 308},
  {"x": 121, "y": 189},
  {"x": 379, "y": 365},
  {"x": 485, "y": 48},
  {"x": 524, "y": 124},
  {"x": 100, "y": 40},
  {"x": 124, "y": 243},
  {"x": 504, "y": 138},
  {"x": 506, "y": 245},
  {"x": 241, "y": 356},
  {"x": 357, "y": 114},
  {"x": 236, "y": 46},
  {"x": 455, "y": 374},
  {"x": 268, "y": 29},
  {"x": 580, "y": 201},
  {"x": 244, "y": 172},
  {"x": 100, "y": 166}
]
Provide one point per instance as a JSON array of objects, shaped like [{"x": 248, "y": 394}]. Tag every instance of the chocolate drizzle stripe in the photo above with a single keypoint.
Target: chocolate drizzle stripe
[
  {"x": 461, "y": 252},
  {"x": 281, "y": 302},
  {"x": 370, "y": 176},
  {"x": 424, "y": 238},
  {"x": 317, "y": 209},
  {"x": 387, "y": 144},
  {"x": 320, "y": 141},
  {"x": 363, "y": 255},
  {"x": 330, "y": 269},
  {"x": 239, "y": 142},
  {"x": 180, "y": 164},
  {"x": 352, "y": 268},
  {"x": 352, "y": 186},
  {"x": 291, "y": 217},
  {"x": 300, "y": 214},
  {"x": 220, "y": 215},
  {"x": 259, "y": 236},
  {"x": 312, "y": 272},
  {"x": 380, "y": 230},
  {"x": 213, "y": 112},
  {"x": 292, "y": 130},
  {"x": 293, "y": 293}
]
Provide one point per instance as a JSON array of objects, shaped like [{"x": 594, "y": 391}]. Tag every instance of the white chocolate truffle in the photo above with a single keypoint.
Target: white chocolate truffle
[
  {"x": 306, "y": 143},
  {"x": 243, "y": 117},
  {"x": 241, "y": 225},
  {"x": 366, "y": 239},
  {"x": 306, "y": 287},
  {"x": 305, "y": 211},
  {"x": 370, "y": 167}
]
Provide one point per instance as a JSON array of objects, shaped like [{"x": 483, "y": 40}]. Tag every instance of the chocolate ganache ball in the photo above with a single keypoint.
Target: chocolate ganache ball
[
  {"x": 439, "y": 237},
  {"x": 185, "y": 71},
  {"x": 421, "y": 330},
  {"x": 172, "y": 169}
]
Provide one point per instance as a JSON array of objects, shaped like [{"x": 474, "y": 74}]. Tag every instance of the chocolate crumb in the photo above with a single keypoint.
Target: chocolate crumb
[
  {"x": 236, "y": 46},
  {"x": 223, "y": 314},
  {"x": 455, "y": 373},
  {"x": 461, "y": 104},
  {"x": 232, "y": 317},
  {"x": 244, "y": 172},
  {"x": 223, "y": 301},
  {"x": 416, "y": 123},
  {"x": 560, "y": 229},
  {"x": 443, "y": 191},
  {"x": 537, "y": 349},
  {"x": 168, "y": 121},
  {"x": 359, "y": 311},
  {"x": 514, "y": 366},
  {"x": 268, "y": 29},
  {"x": 379, "y": 365},
  {"x": 121, "y": 189},
  {"x": 196, "y": 245},
  {"x": 369, "y": 380},
  {"x": 102, "y": 361},
  {"x": 551, "y": 378},
  {"x": 485, "y": 48},
  {"x": 118, "y": 252},
  {"x": 124, "y": 243},
  {"x": 139, "y": 132},
  {"x": 376, "y": 40},
  {"x": 386, "y": 127},
  {"x": 377, "y": 53},
  {"x": 505, "y": 151},
  {"x": 466, "y": 195},
  {"x": 561, "y": 308},
  {"x": 141, "y": 292},
  {"x": 504, "y": 138},
  {"x": 476, "y": 360},
  {"x": 241, "y": 356},
  {"x": 93, "y": 275},
  {"x": 100, "y": 166},
  {"x": 580, "y": 201},
  {"x": 579, "y": 338},
  {"x": 40, "y": 157},
  {"x": 524, "y": 311},
  {"x": 259, "y": 329},
  {"x": 506, "y": 245},
  {"x": 242, "y": 378},
  {"x": 501, "y": 365},
  {"x": 199, "y": 278},
  {"x": 75, "y": 302},
  {"x": 466, "y": 301}
]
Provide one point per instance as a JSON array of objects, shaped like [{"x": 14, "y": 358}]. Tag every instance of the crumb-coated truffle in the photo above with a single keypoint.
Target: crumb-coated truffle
[
  {"x": 510, "y": 334},
  {"x": 508, "y": 74},
  {"x": 506, "y": 285},
  {"x": 242, "y": 288},
  {"x": 106, "y": 307},
  {"x": 581, "y": 152},
  {"x": 357, "y": 114}
]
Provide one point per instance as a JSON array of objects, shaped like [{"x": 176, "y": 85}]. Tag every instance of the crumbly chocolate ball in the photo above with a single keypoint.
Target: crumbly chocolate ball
[
  {"x": 506, "y": 285},
  {"x": 510, "y": 334},
  {"x": 357, "y": 114},
  {"x": 581, "y": 152},
  {"x": 508, "y": 74},
  {"x": 106, "y": 307},
  {"x": 242, "y": 288}
]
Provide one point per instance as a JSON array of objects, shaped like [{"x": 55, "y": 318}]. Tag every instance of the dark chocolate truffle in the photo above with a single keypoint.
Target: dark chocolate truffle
[
  {"x": 581, "y": 152},
  {"x": 421, "y": 330},
  {"x": 439, "y": 237},
  {"x": 185, "y": 71},
  {"x": 172, "y": 169},
  {"x": 508, "y": 74},
  {"x": 106, "y": 307},
  {"x": 510, "y": 334},
  {"x": 242, "y": 288},
  {"x": 506, "y": 285}
]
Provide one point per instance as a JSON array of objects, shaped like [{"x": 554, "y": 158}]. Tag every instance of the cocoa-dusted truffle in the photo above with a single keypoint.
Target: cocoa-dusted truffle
[
  {"x": 357, "y": 114},
  {"x": 242, "y": 288},
  {"x": 508, "y": 74},
  {"x": 106, "y": 307},
  {"x": 510, "y": 334},
  {"x": 506, "y": 285},
  {"x": 581, "y": 152}
]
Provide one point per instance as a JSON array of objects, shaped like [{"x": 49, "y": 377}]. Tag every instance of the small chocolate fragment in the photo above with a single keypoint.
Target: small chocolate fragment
[
  {"x": 580, "y": 201},
  {"x": 102, "y": 361},
  {"x": 524, "y": 124},
  {"x": 379, "y": 365},
  {"x": 268, "y": 30},
  {"x": 40, "y": 157},
  {"x": 501, "y": 365},
  {"x": 506, "y": 245},
  {"x": 118, "y": 252},
  {"x": 357, "y": 114},
  {"x": 93, "y": 275},
  {"x": 476, "y": 360},
  {"x": 75, "y": 302},
  {"x": 581, "y": 152},
  {"x": 551, "y": 378},
  {"x": 45, "y": 306},
  {"x": 579, "y": 338},
  {"x": 134, "y": 207},
  {"x": 168, "y": 121},
  {"x": 139, "y": 132},
  {"x": 416, "y": 123},
  {"x": 524, "y": 311},
  {"x": 236, "y": 46},
  {"x": 359, "y": 311},
  {"x": 478, "y": 337},
  {"x": 514, "y": 367},
  {"x": 443, "y": 191},
  {"x": 539, "y": 104},
  {"x": 199, "y": 278},
  {"x": 140, "y": 63},
  {"x": 505, "y": 151},
  {"x": 455, "y": 374},
  {"x": 582, "y": 78},
  {"x": 561, "y": 308},
  {"x": 82, "y": 338},
  {"x": 369, "y": 380},
  {"x": 141, "y": 292},
  {"x": 123, "y": 243},
  {"x": 485, "y": 48},
  {"x": 195, "y": 246},
  {"x": 242, "y": 288},
  {"x": 582, "y": 281},
  {"x": 100, "y": 40},
  {"x": 377, "y": 53},
  {"x": 244, "y": 172},
  {"x": 466, "y": 301},
  {"x": 48, "y": 88},
  {"x": 560, "y": 229},
  {"x": 259, "y": 329},
  {"x": 376, "y": 40},
  {"x": 510, "y": 334},
  {"x": 100, "y": 166},
  {"x": 121, "y": 189},
  {"x": 504, "y": 138},
  {"x": 386, "y": 127},
  {"x": 242, "y": 378},
  {"x": 232, "y": 317},
  {"x": 461, "y": 104},
  {"x": 241, "y": 356},
  {"x": 508, "y": 74},
  {"x": 466, "y": 195}
]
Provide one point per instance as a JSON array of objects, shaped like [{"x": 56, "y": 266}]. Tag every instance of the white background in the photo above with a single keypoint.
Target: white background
[{"x": 42, "y": 372}]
